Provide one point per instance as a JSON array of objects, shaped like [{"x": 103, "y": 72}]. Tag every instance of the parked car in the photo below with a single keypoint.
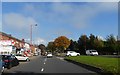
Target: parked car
[
  {"x": 91, "y": 52},
  {"x": 9, "y": 61},
  {"x": 22, "y": 57},
  {"x": 36, "y": 54},
  {"x": 72, "y": 53},
  {"x": 1, "y": 65},
  {"x": 49, "y": 55}
]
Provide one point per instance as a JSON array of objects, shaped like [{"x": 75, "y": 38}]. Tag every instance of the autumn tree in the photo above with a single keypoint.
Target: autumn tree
[{"x": 61, "y": 43}]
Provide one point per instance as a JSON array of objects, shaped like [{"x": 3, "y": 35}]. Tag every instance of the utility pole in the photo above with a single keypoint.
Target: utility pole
[{"x": 31, "y": 33}]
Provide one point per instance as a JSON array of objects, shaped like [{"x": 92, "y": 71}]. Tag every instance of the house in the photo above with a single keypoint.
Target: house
[{"x": 20, "y": 45}]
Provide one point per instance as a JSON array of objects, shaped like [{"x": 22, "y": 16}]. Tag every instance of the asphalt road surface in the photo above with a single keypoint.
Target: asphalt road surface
[{"x": 43, "y": 65}]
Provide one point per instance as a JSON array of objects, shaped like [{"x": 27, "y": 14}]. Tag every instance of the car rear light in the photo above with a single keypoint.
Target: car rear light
[{"x": 7, "y": 60}]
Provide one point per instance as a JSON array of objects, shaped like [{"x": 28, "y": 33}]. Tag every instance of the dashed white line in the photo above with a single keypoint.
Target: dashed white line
[
  {"x": 42, "y": 69},
  {"x": 44, "y": 62},
  {"x": 60, "y": 58},
  {"x": 45, "y": 59}
]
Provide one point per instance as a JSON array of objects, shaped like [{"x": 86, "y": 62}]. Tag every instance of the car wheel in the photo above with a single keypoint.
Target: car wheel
[
  {"x": 77, "y": 54},
  {"x": 3, "y": 69},
  {"x": 27, "y": 59},
  {"x": 9, "y": 66}
]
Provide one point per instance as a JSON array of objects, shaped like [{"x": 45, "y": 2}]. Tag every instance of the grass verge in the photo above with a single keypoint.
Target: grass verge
[{"x": 108, "y": 65}]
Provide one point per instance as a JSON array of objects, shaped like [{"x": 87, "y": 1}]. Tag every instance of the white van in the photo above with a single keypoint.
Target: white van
[{"x": 91, "y": 52}]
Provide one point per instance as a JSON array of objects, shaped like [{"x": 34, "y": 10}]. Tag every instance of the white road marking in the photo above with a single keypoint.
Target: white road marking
[
  {"x": 45, "y": 59},
  {"x": 42, "y": 69},
  {"x": 60, "y": 58},
  {"x": 44, "y": 62}
]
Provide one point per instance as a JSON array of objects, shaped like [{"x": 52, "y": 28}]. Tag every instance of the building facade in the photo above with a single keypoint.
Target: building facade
[{"x": 21, "y": 46}]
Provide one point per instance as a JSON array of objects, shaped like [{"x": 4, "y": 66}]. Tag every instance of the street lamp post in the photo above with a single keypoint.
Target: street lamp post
[{"x": 31, "y": 33}]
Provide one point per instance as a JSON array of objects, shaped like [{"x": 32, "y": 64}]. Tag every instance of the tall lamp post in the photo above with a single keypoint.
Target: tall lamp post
[{"x": 31, "y": 33}]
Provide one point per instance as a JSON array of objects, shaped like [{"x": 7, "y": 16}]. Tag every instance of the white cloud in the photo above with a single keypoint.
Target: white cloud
[
  {"x": 62, "y": 32},
  {"x": 116, "y": 37},
  {"x": 61, "y": 8},
  {"x": 27, "y": 40},
  {"x": 106, "y": 6},
  {"x": 29, "y": 7},
  {"x": 17, "y": 24},
  {"x": 17, "y": 20},
  {"x": 39, "y": 41},
  {"x": 81, "y": 14},
  {"x": 101, "y": 38}
]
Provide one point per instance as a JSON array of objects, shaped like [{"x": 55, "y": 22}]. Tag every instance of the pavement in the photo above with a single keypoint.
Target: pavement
[{"x": 43, "y": 65}]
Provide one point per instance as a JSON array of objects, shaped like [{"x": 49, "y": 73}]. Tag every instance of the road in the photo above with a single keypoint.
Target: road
[{"x": 40, "y": 64}]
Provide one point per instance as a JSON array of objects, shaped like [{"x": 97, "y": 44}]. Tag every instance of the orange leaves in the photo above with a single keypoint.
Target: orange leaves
[{"x": 62, "y": 42}]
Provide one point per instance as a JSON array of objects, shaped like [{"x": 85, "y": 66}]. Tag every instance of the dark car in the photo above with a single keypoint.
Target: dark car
[
  {"x": 10, "y": 61},
  {"x": 1, "y": 65}
]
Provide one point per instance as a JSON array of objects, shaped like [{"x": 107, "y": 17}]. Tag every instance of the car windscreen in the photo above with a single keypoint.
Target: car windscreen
[
  {"x": 19, "y": 55},
  {"x": 5, "y": 57},
  {"x": 93, "y": 51}
]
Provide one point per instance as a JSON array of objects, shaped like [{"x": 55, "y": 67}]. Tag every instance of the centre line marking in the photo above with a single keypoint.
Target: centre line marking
[
  {"x": 44, "y": 62},
  {"x": 42, "y": 69},
  {"x": 45, "y": 59}
]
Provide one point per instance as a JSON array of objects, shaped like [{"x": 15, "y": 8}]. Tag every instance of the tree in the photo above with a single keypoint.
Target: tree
[
  {"x": 92, "y": 41},
  {"x": 61, "y": 43},
  {"x": 51, "y": 47},
  {"x": 73, "y": 45},
  {"x": 111, "y": 44},
  {"x": 118, "y": 47},
  {"x": 83, "y": 43},
  {"x": 43, "y": 48},
  {"x": 98, "y": 44}
]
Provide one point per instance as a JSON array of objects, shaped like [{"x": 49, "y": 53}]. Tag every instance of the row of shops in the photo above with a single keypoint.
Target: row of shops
[{"x": 10, "y": 44}]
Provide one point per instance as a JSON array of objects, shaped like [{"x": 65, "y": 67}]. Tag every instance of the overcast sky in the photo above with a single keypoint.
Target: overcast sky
[{"x": 71, "y": 19}]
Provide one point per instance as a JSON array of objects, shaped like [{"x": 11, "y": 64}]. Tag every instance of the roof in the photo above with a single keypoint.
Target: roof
[{"x": 8, "y": 35}]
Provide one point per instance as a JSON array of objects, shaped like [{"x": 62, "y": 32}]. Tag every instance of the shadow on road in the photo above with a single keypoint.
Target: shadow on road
[{"x": 32, "y": 73}]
